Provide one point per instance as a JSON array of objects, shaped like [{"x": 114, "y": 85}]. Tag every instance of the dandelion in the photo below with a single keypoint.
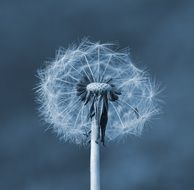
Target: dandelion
[{"x": 93, "y": 94}]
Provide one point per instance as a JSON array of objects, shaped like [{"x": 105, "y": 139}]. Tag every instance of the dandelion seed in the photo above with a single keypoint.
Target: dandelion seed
[{"x": 91, "y": 83}]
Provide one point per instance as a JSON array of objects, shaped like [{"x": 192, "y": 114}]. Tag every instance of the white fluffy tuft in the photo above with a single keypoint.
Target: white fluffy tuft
[{"x": 61, "y": 107}]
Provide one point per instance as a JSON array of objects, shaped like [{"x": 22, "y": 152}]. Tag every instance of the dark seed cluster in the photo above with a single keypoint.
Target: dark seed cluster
[{"x": 91, "y": 92}]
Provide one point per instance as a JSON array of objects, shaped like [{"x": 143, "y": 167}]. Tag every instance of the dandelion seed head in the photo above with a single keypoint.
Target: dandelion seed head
[{"x": 70, "y": 81}]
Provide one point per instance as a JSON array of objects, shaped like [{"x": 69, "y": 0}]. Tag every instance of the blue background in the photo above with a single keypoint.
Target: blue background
[{"x": 160, "y": 34}]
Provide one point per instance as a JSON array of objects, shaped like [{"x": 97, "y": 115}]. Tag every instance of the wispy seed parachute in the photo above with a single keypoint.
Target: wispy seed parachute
[{"x": 69, "y": 85}]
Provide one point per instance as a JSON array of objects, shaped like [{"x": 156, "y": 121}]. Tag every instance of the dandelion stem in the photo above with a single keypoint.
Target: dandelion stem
[{"x": 94, "y": 157}]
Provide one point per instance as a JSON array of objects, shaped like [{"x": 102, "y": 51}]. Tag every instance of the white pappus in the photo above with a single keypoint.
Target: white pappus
[{"x": 91, "y": 72}]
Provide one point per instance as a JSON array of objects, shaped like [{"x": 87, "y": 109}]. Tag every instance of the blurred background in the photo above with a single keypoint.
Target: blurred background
[{"x": 160, "y": 35}]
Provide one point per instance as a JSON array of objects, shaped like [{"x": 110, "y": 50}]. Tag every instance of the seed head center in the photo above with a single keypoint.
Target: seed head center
[{"x": 96, "y": 87}]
